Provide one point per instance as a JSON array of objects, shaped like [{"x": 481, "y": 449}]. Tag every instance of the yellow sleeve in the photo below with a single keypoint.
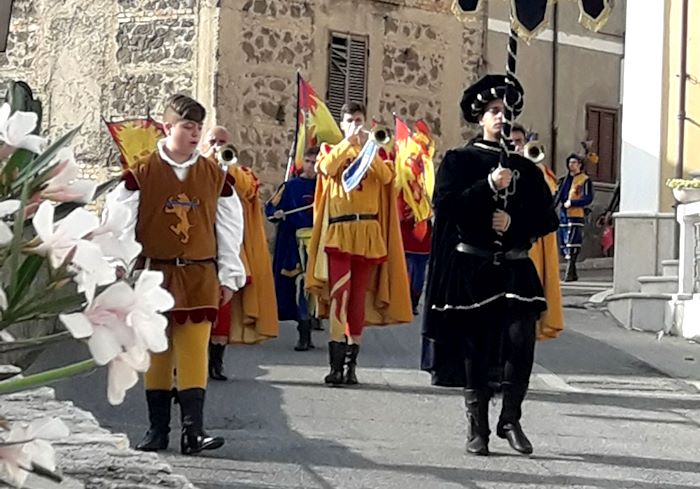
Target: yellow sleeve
[
  {"x": 330, "y": 163},
  {"x": 382, "y": 169},
  {"x": 247, "y": 183}
]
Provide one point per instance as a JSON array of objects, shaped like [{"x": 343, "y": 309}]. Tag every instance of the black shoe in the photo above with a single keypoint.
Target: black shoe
[
  {"x": 476, "y": 403},
  {"x": 415, "y": 300},
  {"x": 513, "y": 432},
  {"x": 509, "y": 423},
  {"x": 304, "y": 343},
  {"x": 216, "y": 362},
  {"x": 158, "y": 435},
  {"x": 336, "y": 354},
  {"x": 193, "y": 438},
  {"x": 351, "y": 364}
]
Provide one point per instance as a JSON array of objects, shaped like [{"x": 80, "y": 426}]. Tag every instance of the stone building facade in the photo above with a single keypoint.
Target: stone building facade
[{"x": 94, "y": 59}]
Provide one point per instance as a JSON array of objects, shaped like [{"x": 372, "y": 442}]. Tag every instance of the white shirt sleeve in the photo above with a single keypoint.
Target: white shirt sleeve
[{"x": 229, "y": 236}]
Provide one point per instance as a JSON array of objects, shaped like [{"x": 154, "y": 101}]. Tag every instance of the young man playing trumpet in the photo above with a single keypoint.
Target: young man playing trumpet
[
  {"x": 251, "y": 316},
  {"x": 355, "y": 246}
]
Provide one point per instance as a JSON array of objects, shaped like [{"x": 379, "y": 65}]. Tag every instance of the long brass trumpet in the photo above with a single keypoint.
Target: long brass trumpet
[
  {"x": 227, "y": 154},
  {"x": 534, "y": 151}
]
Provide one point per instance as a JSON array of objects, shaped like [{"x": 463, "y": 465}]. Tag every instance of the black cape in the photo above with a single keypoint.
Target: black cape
[{"x": 465, "y": 290}]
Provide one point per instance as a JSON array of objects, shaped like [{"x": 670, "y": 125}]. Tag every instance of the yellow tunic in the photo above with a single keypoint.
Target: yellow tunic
[
  {"x": 388, "y": 299},
  {"x": 254, "y": 307},
  {"x": 545, "y": 255},
  {"x": 363, "y": 238}
]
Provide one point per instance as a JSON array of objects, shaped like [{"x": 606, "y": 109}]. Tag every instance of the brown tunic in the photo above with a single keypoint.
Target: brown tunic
[{"x": 177, "y": 220}]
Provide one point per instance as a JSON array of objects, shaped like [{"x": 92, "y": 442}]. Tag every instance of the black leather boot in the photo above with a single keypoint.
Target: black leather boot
[
  {"x": 415, "y": 299},
  {"x": 316, "y": 324},
  {"x": 216, "y": 362},
  {"x": 351, "y": 364},
  {"x": 336, "y": 354},
  {"x": 157, "y": 436},
  {"x": 571, "y": 274},
  {"x": 476, "y": 403},
  {"x": 509, "y": 423},
  {"x": 304, "y": 329},
  {"x": 193, "y": 438}
]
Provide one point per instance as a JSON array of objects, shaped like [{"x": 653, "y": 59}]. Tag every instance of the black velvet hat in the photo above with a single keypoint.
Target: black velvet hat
[{"x": 490, "y": 87}]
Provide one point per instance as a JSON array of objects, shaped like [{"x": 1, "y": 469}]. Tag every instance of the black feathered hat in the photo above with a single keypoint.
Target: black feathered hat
[{"x": 490, "y": 87}]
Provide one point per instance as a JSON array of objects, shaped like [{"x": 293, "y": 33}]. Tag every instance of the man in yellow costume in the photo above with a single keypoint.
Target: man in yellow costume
[
  {"x": 186, "y": 215},
  {"x": 356, "y": 264},
  {"x": 251, "y": 317},
  {"x": 545, "y": 255}
]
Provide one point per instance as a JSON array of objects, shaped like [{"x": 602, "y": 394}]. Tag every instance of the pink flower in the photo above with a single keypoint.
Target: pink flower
[
  {"x": 16, "y": 129},
  {"x": 122, "y": 324},
  {"x": 66, "y": 185},
  {"x": 25, "y": 445}
]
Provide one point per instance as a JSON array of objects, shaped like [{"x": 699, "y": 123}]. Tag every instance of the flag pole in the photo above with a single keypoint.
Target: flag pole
[{"x": 293, "y": 149}]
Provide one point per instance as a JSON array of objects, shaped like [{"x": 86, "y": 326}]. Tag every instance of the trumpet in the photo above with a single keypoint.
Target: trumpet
[
  {"x": 381, "y": 136},
  {"x": 227, "y": 154},
  {"x": 534, "y": 151}
]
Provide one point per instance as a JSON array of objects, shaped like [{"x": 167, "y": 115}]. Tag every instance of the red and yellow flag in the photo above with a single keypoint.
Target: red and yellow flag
[
  {"x": 315, "y": 124},
  {"x": 135, "y": 138},
  {"x": 415, "y": 173}
]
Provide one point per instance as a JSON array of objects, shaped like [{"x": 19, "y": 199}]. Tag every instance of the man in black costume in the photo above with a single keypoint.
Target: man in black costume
[{"x": 484, "y": 295}]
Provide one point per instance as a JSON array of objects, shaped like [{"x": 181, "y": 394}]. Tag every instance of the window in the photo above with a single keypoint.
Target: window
[
  {"x": 347, "y": 71},
  {"x": 602, "y": 126}
]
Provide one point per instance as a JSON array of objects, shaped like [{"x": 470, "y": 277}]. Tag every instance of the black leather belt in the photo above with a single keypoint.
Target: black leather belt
[
  {"x": 180, "y": 262},
  {"x": 353, "y": 217},
  {"x": 496, "y": 256}
]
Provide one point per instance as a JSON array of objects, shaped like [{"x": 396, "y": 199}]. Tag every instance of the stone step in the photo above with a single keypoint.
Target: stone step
[
  {"x": 670, "y": 268},
  {"x": 654, "y": 284},
  {"x": 638, "y": 310}
]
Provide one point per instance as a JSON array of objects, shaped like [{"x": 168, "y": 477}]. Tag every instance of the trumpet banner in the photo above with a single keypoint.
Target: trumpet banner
[
  {"x": 415, "y": 172},
  {"x": 529, "y": 17},
  {"x": 135, "y": 138},
  {"x": 315, "y": 124}
]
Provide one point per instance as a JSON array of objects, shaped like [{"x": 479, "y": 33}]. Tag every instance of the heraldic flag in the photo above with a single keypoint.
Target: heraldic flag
[
  {"x": 415, "y": 172},
  {"x": 315, "y": 124},
  {"x": 135, "y": 138}
]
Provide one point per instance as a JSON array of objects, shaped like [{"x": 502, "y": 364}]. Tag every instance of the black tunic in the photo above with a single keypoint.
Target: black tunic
[{"x": 465, "y": 290}]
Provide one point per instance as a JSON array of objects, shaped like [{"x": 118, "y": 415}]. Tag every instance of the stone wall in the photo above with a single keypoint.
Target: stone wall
[
  {"x": 420, "y": 59},
  {"x": 95, "y": 457},
  {"x": 89, "y": 59}
]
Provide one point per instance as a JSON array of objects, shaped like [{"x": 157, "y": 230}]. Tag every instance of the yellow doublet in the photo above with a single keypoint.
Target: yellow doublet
[{"x": 359, "y": 237}]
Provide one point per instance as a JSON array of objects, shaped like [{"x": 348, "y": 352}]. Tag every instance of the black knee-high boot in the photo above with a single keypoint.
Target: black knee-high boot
[
  {"x": 194, "y": 439},
  {"x": 336, "y": 354},
  {"x": 509, "y": 422},
  {"x": 216, "y": 362},
  {"x": 571, "y": 274},
  {"x": 157, "y": 436},
  {"x": 476, "y": 403},
  {"x": 351, "y": 364}
]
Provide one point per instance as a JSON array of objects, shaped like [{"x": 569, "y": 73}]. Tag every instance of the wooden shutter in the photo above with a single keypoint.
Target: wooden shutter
[
  {"x": 347, "y": 71},
  {"x": 602, "y": 125}
]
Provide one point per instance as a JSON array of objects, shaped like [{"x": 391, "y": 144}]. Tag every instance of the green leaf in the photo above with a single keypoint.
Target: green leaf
[
  {"x": 26, "y": 275},
  {"x": 20, "y": 159},
  {"x": 29, "y": 171},
  {"x": 34, "y": 343},
  {"x": 17, "y": 239},
  {"x": 33, "y": 381}
]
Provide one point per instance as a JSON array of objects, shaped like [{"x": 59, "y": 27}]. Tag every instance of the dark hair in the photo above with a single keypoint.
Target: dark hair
[
  {"x": 353, "y": 107},
  {"x": 312, "y": 151},
  {"x": 185, "y": 107},
  {"x": 516, "y": 127}
]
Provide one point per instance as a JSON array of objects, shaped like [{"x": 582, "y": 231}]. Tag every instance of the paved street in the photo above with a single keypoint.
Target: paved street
[{"x": 605, "y": 411}]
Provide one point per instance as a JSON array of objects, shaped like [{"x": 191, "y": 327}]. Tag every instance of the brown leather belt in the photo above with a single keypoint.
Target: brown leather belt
[
  {"x": 353, "y": 217},
  {"x": 179, "y": 262}
]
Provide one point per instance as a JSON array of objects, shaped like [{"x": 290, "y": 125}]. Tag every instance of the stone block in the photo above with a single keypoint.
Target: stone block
[
  {"x": 163, "y": 41},
  {"x": 295, "y": 9},
  {"x": 134, "y": 95},
  {"x": 265, "y": 45}
]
